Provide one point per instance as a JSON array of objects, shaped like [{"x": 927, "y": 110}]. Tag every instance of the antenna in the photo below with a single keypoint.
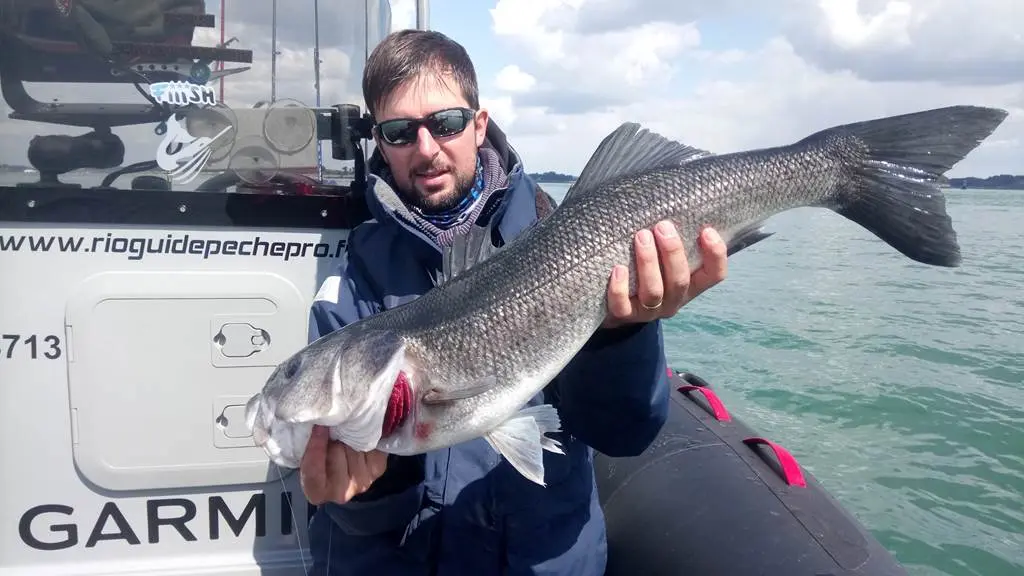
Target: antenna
[
  {"x": 273, "y": 55},
  {"x": 316, "y": 70},
  {"x": 220, "y": 65},
  {"x": 423, "y": 14}
]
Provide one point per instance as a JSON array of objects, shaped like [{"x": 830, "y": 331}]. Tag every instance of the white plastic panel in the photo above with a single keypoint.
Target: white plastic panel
[
  {"x": 160, "y": 363},
  {"x": 149, "y": 392}
]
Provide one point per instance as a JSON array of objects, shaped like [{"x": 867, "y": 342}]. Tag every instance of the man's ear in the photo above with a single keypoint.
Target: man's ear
[
  {"x": 381, "y": 149},
  {"x": 480, "y": 120}
]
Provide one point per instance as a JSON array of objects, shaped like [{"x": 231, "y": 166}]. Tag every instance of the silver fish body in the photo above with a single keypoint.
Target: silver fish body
[{"x": 505, "y": 322}]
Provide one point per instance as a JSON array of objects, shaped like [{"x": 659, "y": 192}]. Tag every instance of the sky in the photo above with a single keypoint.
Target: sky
[
  {"x": 731, "y": 75},
  {"x": 559, "y": 75}
]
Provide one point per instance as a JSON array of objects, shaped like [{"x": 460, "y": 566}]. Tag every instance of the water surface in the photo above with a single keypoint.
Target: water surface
[{"x": 898, "y": 385}]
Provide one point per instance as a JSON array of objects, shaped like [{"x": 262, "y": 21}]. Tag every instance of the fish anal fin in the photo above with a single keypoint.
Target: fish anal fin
[
  {"x": 439, "y": 394},
  {"x": 631, "y": 149},
  {"x": 746, "y": 237},
  {"x": 521, "y": 440}
]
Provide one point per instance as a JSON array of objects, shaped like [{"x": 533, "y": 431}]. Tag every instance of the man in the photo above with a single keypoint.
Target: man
[{"x": 439, "y": 166}]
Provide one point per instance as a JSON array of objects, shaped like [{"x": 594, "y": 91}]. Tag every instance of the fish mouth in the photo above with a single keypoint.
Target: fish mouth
[{"x": 399, "y": 405}]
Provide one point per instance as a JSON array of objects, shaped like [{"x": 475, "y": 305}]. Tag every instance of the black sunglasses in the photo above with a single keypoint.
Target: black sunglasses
[{"x": 443, "y": 123}]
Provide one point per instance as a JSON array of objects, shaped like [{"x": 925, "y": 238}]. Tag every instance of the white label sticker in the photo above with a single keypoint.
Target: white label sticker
[
  {"x": 190, "y": 153},
  {"x": 183, "y": 93}
]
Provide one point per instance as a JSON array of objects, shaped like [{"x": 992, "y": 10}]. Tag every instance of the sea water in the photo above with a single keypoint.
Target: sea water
[{"x": 900, "y": 386}]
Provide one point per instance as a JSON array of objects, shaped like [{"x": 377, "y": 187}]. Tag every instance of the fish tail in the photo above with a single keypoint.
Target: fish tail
[{"x": 895, "y": 172}]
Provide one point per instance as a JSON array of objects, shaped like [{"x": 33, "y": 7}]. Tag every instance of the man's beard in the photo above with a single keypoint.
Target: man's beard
[{"x": 442, "y": 202}]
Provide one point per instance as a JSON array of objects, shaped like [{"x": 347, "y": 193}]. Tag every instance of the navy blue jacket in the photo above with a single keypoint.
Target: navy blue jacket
[{"x": 465, "y": 510}]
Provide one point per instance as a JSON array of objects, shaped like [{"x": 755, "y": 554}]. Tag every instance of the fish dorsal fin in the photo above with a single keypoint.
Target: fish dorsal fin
[
  {"x": 466, "y": 251},
  {"x": 628, "y": 150}
]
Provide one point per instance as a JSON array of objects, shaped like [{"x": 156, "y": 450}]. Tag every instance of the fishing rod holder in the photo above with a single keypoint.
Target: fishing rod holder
[{"x": 346, "y": 126}]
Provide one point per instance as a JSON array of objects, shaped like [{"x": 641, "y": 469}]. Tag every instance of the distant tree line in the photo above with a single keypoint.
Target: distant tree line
[
  {"x": 553, "y": 177},
  {"x": 998, "y": 182}
]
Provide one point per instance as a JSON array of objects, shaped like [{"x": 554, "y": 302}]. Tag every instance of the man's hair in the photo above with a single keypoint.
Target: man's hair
[{"x": 406, "y": 55}]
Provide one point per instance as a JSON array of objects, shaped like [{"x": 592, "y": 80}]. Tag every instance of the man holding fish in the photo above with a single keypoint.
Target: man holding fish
[
  {"x": 464, "y": 509},
  {"x": 476, "y": 347}
]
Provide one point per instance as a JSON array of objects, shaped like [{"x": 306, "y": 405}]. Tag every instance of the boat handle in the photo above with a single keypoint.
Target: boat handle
[
  {"x": 791, "y": 472},
  {"x": 717, "y": 407}
]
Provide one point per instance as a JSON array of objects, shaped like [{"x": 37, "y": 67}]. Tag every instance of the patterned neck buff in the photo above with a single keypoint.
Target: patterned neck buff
[{"x": 445, "y": 219}]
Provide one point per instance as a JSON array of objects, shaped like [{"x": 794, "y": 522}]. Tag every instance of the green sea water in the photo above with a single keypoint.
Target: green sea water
[{"x": 900, "y": 386}]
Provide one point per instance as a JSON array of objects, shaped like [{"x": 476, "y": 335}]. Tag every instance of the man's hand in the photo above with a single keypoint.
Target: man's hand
[
  {"x": 333, "y": 472},
  {"x": 664, "y": 281}
]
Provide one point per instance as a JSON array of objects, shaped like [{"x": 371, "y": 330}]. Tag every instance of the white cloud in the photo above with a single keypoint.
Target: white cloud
[
  {"x": 948, "y": 41},
  {"x": 851, "y": 30},
  {"x": 588, "y": 70},
  {"x": 828, "y": 62},
  {"x": 603, "y": 15},
  {"x": 513, "y": 79}
]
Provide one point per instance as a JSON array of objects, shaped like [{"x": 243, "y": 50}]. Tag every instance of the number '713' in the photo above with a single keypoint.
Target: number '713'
[{"x": 33, "y": 346}]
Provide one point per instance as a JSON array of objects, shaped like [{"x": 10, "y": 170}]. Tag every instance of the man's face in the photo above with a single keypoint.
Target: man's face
[{"x": 434, "y": 172}]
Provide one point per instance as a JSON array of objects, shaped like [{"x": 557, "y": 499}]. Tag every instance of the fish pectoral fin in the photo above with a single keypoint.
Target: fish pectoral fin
[
  {"x": 747, "y": 237},
  {"x": 628, "y": 150},
  {"x": 466, "y": 251},
  {"x": 521, "y": 440},
  {"x": 438, "y": 394}
]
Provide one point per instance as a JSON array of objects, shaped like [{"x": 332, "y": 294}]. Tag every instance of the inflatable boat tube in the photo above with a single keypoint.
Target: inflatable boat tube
[{"x": 711, "y": 497}]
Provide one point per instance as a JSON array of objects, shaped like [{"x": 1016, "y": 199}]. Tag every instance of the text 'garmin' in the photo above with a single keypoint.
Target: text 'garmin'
[{"x": 54, "y": 527}]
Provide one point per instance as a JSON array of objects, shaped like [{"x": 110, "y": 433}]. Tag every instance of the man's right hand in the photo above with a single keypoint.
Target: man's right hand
[{"x": 333, "y": 472}]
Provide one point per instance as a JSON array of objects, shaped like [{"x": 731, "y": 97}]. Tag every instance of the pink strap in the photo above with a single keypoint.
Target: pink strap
[
  {"x": 790, "y": 467},
  {"x": 717, "y": 407}
]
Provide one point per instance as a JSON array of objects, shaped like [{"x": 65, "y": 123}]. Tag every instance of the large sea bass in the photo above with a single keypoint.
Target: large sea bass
[{"x": 463, "y": 360}]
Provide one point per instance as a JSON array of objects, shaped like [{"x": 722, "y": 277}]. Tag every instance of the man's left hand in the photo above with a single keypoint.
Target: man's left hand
[{"x": 664, "y": 281}]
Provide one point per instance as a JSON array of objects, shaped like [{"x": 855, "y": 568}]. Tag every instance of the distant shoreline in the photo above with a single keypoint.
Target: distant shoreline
[
  {"x": 986, "y": 188},
  {"x": 552, "y": 178},
  {"x": 997, "y": 182}
]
